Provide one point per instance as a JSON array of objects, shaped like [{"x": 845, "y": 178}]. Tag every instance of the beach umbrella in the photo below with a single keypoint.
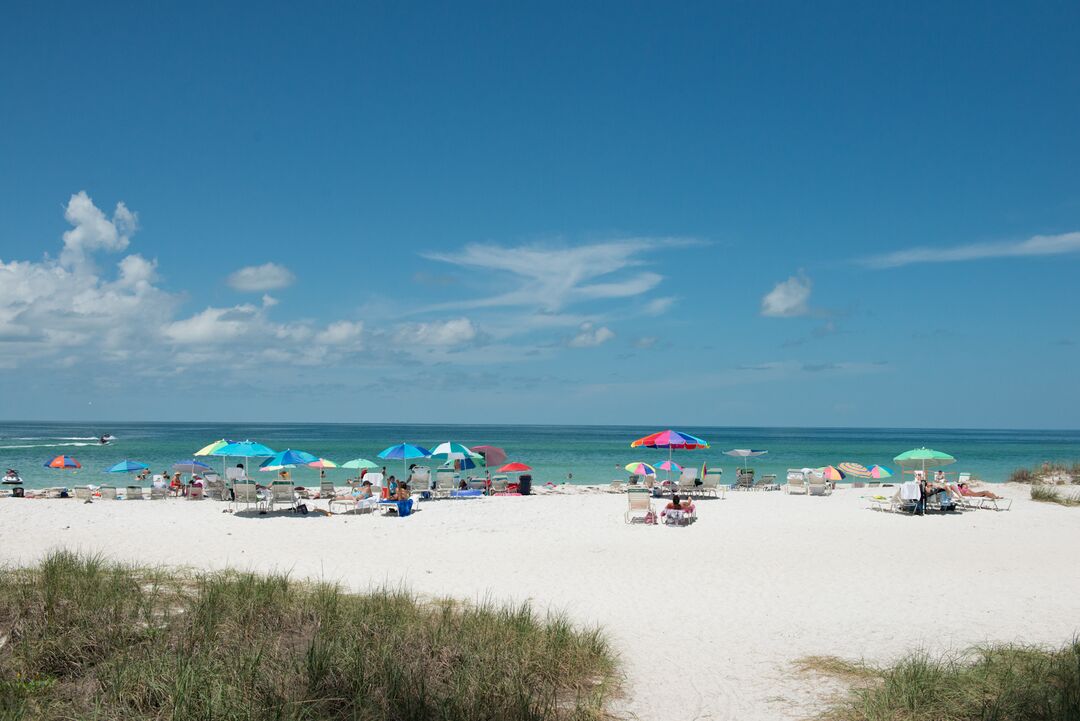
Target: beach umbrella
[
  {"x": 854, "y": 469},
  {"x": 126, "y": 467},
  {"x": 880, "y": 472},
  {"x": 669, "y": 466},
  {"x": 670, "y": 440},
  {"x": 832, "y": 473},
  {"x": 289, "y": 457},
  {"x": 454, "y": 452},
  {"x": 322, "y": 463},
  {"x": 640, "y": 469},
  {"x": 744, "y": 453},
  {"x": 245, "y": 450},
  {"x": 493, "y": 455},
  {"x": 211, "y": 449},
  {"x": 63, "y": 462},
  {"x": 406, "y": 452},
  {"x": 514, "y": 467},
  {"x": 190, "y": 465},
  {"x": 923, "y": 458},
  {"x": 360, "y": 463}
]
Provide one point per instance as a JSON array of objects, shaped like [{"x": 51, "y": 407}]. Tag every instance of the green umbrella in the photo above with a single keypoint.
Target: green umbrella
[
  {"x": 360, "y": 463},
  {"x": 924, "y": 458}
]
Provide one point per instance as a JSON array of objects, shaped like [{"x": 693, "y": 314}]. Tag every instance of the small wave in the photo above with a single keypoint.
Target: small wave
[
  {"x": 54, "y": 438},
  {"x": 51, "y": 445}
]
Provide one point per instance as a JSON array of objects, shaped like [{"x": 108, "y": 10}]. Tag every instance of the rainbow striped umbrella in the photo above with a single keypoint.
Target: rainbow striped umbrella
[
  {"x": 670, "y": 439},
  {"x": 640, "y": 469},
  {"x": 63, "y": 462},
  {"x": 854, "y": 469},
  {"x": 880, "y": 472},
  {"x": 832, "y": 473}
]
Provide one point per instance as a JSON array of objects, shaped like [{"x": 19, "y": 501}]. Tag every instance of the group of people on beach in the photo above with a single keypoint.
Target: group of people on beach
[{"x": 939, "y": 487}]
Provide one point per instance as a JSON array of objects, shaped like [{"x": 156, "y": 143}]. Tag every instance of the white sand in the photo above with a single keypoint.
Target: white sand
[{"x": 708, "y": 618}]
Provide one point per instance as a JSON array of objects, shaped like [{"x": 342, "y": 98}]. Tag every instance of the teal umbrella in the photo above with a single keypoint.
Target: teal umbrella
[
  {"x": 923, "y": 458},
  {"x": 126, "y": 467}
]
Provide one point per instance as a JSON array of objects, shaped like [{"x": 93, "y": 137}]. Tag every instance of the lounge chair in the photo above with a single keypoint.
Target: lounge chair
[
  {"x": 375, "y": 479},
  {"x": 247, "y": 494},
  {"x": 196, "y": 493},
  {"x": 687, "y": 482},
  {"x": 133, "y": 493},
  {"x": 445, "y": 484},
  {"x": 768, "y": 483},
  {"x": 796, "y": 482},
  {"x": 83, "y": 493},
  {"x": 639, "y": 505},
  {"x": 108, "y": 493},
  {"x": 817, "y": 485},
  {"x": 327, "y": 488},
  {"x": 744, "y": 479},
  {"x": 908, "y": 497},
  {"x": 686, "y": 515},
  {"x": 710, "y": 486},
  {"x": 282, "y": 493},
  {"x": 354, "y": 503},
  {"x": 159, "y": 493},
  {"x": 420, "y": 479},
  {"x": 214, "y": 486},
  {"x": 499, "y": 484}
]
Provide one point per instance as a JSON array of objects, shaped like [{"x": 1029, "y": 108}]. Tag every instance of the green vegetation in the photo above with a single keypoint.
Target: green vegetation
[
  {"x": 84, "y": 639},
  {"x": 1035, "y": 475},
  {"x": 998, "y": 683},
  {"x": 1049, "y": 494}
]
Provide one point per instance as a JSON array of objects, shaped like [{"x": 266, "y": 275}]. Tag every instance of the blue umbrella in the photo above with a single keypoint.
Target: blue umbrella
[
  {"x": 289, "y": 458},
  {"x": 405, "y": 451},
  {"x": 245, "y": 449},
  {"x": 126, "y": 467},
  {"x": 190, "y": 465}
]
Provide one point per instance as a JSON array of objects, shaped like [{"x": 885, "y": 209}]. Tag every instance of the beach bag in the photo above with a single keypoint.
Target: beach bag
[{"x": 650, "y": 518}]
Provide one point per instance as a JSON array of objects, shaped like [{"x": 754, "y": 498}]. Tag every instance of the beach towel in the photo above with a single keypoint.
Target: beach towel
[{"x": 909, "y": 491}]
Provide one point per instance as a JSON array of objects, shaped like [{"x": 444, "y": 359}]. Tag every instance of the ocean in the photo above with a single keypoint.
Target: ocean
[{"x": 558, "y": 454}]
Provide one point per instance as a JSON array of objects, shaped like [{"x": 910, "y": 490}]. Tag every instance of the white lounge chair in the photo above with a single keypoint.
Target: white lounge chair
[
  {"x": 354, "y": 503},
  {"x": 133, "y": 493},
  {"x": 420, "y": 479},
  {"x": 639, "y": 505},
  {"x": 817, "y": 485},
  {"x": 796, "y": 482},
  {"x": 158, "y": 493},
  {"x": 744, "y": 479},
  {"x": 245, "y": 494},
  {"x": 445, "y": 484},
  {"x": 282, "y": 493},
  {"x": 499, "y": 484},
  {"x": 327, "y": 488},
  {"x": 214, "y": 486},
  {"x": 710, "y": 486},
  {"x": 687, "y": 482},
  {"x": 83, "y": 493},
  {"x": 108, "y": 493}
]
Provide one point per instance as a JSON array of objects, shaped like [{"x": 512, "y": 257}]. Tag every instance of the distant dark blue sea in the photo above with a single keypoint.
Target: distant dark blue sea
[{"x": 578, "y": 454}]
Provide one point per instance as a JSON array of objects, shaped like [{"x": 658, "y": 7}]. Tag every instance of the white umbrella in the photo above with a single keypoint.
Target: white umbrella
[{"x": 744, "y": 453}]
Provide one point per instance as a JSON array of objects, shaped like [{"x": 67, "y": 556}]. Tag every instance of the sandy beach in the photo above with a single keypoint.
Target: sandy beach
[{"x": 707, "y": 618}]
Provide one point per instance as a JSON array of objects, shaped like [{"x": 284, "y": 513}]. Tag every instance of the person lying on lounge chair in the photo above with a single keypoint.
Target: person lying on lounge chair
[
  {"x": 965, "y": 490},
  {"x": 677, "y": 504}
]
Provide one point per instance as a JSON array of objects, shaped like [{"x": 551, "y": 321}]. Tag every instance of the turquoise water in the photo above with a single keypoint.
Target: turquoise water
[{"x": 581, "y": 454}]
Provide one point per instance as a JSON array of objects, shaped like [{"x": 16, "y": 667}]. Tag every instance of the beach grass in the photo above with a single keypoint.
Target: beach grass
[
  {"x": 84, "y": 638},
  {"x": 994, "y": 683},
  {"x": 1049, "y": 494},
  {"x": 1040, "y": 474}
]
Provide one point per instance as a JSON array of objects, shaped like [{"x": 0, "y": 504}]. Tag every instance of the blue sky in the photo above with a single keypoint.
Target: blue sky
[{"x": 826, "y": 214}]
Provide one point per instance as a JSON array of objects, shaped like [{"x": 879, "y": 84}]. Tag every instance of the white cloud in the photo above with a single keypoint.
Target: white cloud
[
  {"x": 788, "y": 298},
  {"x": 1038, "y": 245},
  {"x": 647, "y": 341},
  {"x": 659, "y": 306},
  {"x": 552, "y": 277},
  {"x": 342, "y": 332},
  {"x": 590, "y": 336},
  {"x": 454, "y": 332},
  {"x": 258, "y": 278},
  {"x": 91, "y": 230}
]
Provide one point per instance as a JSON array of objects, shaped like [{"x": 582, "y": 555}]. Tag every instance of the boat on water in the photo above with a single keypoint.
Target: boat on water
[
  {"x": 12, "y": 478},
  {"x": 107, "y": 439}
]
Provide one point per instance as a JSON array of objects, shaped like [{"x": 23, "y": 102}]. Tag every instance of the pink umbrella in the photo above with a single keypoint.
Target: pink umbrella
[
  {"x": 669, "y": 466},
  {"x": 493, "y": 455}
]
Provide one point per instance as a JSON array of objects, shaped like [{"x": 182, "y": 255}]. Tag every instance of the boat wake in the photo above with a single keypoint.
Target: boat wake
[{"x": 51, "y": 445}]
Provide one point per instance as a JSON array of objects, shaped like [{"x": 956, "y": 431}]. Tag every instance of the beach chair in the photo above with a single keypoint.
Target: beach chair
[
  {"x": 282, "y": 493},
  {"x": 420, "y": 478},
  {"x": 639, "y": 505},
  {"x": 108, "y": 493},
  {"x": 796, "y": 482},
  {"x": 214, "y": 487},
  {"x": 682, "y": 517},
  {"x": 327, "y": 488},
  {"x": 445, "y": 484},
  {"x": 353, "y": 503},
  {"x": 246, "y": 494},
  {"x": 83, "y": 493},
  {"x": 499, "y": 484},
  {"x": 710, "y": 486},
  {"x": 159, "y": 493},
  {"x": 768, "y": 483},
  {"x": 616, "y": 486},
  {"x": 817, "y": 485},
  {"x": 744, "y": 479},
  {"x": 687, "y": 481},
  {"x": 908, "y": 497},
  {"x": 133, "y": 493},
  {"x": 196, "y": 493}
]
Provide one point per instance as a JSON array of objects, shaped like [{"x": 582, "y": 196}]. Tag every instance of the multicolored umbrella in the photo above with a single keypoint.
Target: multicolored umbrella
[
  {"x": 854, "y": 469},
  {"x": 63, "y": 462},
  {"x": 880, "y": 472},
  {"x": 322, "y": 463},
  {"x": 669, "y": 466},
  {"x": 452, "y": 451},
  {"x": 670, "y": 439},
  {"x": 832, "y": 473},
  {"x": 514, "y": 467},
  {"x": 493, "y": 455},
  {"x": 640, "y": 469},
  {"x": 211, "y": 449},
  {"x": 126, "y": 467}
]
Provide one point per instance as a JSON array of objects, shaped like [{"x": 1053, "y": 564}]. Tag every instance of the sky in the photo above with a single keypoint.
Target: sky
[{"x": 723, "y": 214}]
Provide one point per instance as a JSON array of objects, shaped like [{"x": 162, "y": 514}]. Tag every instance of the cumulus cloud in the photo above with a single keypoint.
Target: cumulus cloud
[
  {"x": 454, "y": 332},
  {"x": 259, "y": 278},
  {"x": 91, "y": 230},
  {"x": 590, "y": 336},
  {"x": 788, "y": 298},
  {"x": 1037, "y": 245}
]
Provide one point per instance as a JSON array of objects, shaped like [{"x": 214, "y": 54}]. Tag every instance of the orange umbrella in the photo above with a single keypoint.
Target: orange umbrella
[{"x": 514, "y": 467}]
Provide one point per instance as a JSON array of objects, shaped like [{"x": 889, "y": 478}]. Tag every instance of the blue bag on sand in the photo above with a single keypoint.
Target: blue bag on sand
[{"x": 404, "y": 508}]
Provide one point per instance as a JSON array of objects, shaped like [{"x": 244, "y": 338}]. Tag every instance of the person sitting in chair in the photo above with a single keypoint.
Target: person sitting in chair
[{"x": 402, "y": 493}]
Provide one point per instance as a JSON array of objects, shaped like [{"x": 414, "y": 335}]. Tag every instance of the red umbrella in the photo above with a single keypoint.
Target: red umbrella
[
  {"x": 493, "y": 455},
  {"x": 514, "y": 467}
]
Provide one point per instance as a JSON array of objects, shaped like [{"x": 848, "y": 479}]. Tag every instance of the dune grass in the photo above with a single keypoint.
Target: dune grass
[
  {"x": 82, "y": 638},
  {"x": 1049, "y": 494},
  {"x": 996, "y": 683}
]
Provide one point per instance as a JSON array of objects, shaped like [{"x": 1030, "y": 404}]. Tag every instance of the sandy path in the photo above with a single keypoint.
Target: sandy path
[{"x": 727, "y": 604}]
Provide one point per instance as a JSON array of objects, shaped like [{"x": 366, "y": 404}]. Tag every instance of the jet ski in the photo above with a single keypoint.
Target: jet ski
[
  {"x": 11, "y": 478},
  {"x": 107, "y": 439}
]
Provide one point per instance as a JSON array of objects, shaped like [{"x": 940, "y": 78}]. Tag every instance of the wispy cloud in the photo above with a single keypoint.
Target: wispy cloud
[
  {"x": 1037, "y": 245},
  {"x": 788, "y": 298},
  {"x": 259, "y": 278}
]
